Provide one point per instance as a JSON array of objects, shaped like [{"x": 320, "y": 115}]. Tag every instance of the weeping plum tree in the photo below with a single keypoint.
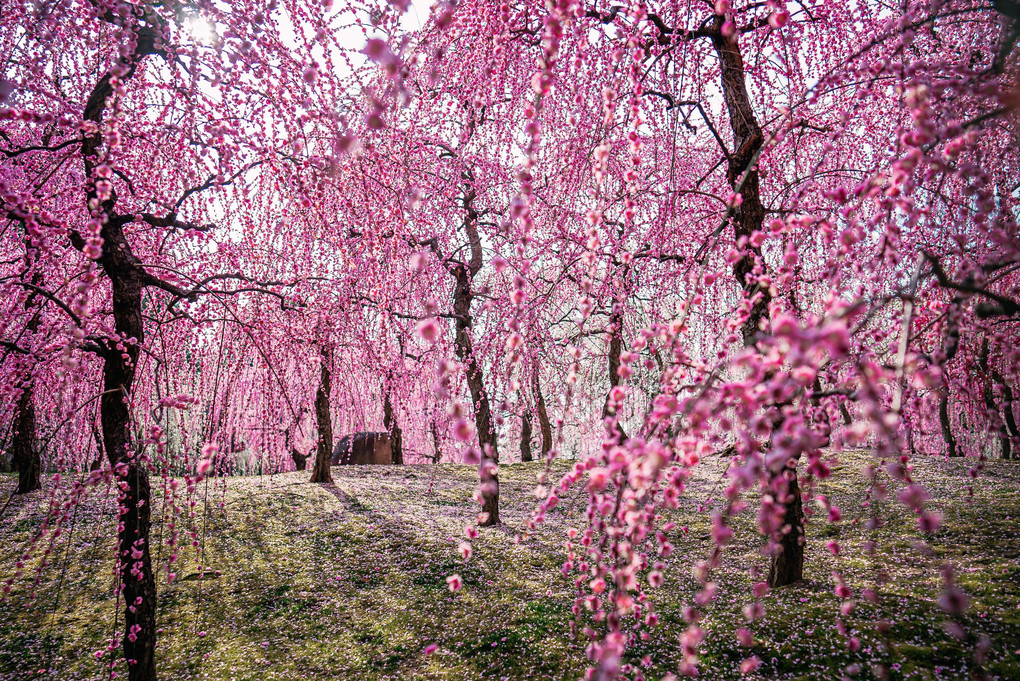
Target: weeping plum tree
[
  {"x": 799, "y": 188},
  {"x": 97, "y": 99}
]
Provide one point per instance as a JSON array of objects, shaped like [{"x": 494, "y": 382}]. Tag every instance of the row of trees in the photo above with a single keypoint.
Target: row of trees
[{"x": 643, "y": 233}]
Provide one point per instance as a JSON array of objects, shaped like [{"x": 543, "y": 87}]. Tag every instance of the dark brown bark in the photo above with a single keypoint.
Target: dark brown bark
[
  {"x": 526, "y": 438},
  {"x": 743, "y": 176},
  {"x": 127, "y": 282},
  {"x": 995, "y": 420},
  {"x": 437, "y": 453},
  {"x": 615, "y": 350},
  {"x": 950, "y": 345},
  {"x": 463, "y": 297},
  {"x": 98, "y": 437},
  {"x": 742, "y": 166},
  {"x": 24, "y": 453},
  {"x": 1007, "y": 412},
  {"x": 479, "y": 398},
  {"x": 947, "y": 426},
  {"x": 324, "y": 449},
  {"x": 138, "y": 584},
  {"x": 396, "y": 435},
  {"x": 543, "y": 417},
  {"x": 300, "y": 459},
  {"x": 787, "y": 567}
]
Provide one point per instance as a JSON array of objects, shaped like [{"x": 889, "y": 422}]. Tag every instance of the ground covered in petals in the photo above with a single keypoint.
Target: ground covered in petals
[{"x": 348, "y": 581}]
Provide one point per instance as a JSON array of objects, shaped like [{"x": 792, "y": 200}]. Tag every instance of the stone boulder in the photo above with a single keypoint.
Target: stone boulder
[{"x": 359, "y": 449}]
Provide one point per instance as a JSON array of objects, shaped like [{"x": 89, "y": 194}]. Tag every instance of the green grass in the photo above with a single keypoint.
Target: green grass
[{"x": 349, "y": 582}]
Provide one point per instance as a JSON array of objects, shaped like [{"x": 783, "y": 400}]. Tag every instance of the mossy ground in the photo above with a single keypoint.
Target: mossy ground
[{"x": 349, "y": 582}]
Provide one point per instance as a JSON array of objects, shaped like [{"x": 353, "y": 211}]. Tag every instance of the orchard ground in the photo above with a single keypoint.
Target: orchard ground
[{"x": 348, "y": 581}]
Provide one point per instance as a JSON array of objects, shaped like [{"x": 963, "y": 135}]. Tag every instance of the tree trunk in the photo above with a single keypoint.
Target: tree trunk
[
  {"x": 128, "y": 279},
  {"x": 98, "y": 437},
  {"x": 543, "y": 417},
  {"x": 1007, "y": 411},
  {"x": 463, "y": 297},
  {"x": 300, "y": 460},
  {"x": 489, "y": 454},
  {"x": 991, "y": 407},
  {"x": 615, "y": 350},
  {"x": 950, "y": 345},
  {"x": 24, "y": 453},
  {"x": 742, "y": 165},
  {"x": 396, "y": 435},
  {"x": 787, "y": 567},
  {"x": 743, "y": 176},
  {"x": 137, "y": 581},
  {"x": 947, "y": 427},
  {"x": 321, "y": 471},
  {"x": 437, "y": 454},
  {"x": 526, "y": 438}
]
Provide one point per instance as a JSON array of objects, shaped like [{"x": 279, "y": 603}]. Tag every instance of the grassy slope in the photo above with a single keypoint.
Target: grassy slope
[{"x": 348, "y": 582}]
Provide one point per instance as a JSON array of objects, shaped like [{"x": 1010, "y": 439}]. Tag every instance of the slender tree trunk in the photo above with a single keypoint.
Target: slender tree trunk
[
  {"x": 98, "y": 437},
  {"x": 615, "y": 350},
  {"x": 1007, "y": 412},
  {"x": 396, "y": 435},
  {"x": 742, "y": 173},
  {"x": 300, "y": 460},
  {"x": 526, "y": 438},
  {"x": 787, "y": 567},
  {"x": 947, "y": 427},
  {"x": 463, "y": 297},
  {"x": 437, "y": 454},
  {"x": 991, "y": 407},
  {"x": 742, "y": 166},
  {"x": 909, "y": 427},
  {"x": 543, "y": 417},
  {"x": 489, "y": 482},
  {"x": 950, "y": 345},
  {"x": 24, "y": 453},
  {"x": 845, "y": 413},
  {"x": 321, "y": 471}
]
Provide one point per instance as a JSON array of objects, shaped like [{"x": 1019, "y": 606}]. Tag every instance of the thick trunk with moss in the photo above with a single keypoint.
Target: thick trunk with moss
[{"x": 324, "y": 450}]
